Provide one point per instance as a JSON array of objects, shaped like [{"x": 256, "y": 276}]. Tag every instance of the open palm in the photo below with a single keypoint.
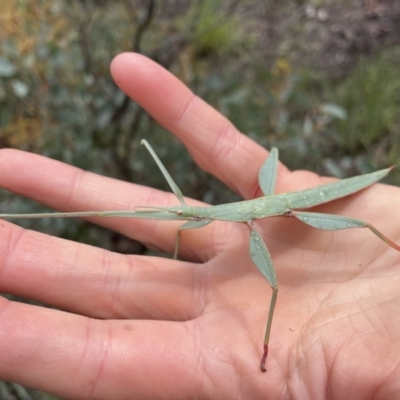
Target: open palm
[{"x": 139, "y": 327}]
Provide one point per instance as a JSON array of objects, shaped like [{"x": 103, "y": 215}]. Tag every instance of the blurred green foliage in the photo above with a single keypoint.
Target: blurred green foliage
[
  {"x": 57, "y": 97},
  {"x": 12, "y": 391},
  {"x": 371, "y": 94}
]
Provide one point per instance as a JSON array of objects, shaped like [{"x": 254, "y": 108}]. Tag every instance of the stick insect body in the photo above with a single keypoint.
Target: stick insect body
[{"x": 285, "y": 204}]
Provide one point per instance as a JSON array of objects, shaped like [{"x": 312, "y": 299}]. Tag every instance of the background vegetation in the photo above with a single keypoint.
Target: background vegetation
[{"x": 318, "y": 79}]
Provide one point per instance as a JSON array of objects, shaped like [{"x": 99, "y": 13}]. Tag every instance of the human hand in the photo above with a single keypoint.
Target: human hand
[{"x": 138, "y": 327}]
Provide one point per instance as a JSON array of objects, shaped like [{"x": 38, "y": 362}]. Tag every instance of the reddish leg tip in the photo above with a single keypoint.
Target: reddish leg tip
[
  {"x": 262, "y": 367},
  {"x": 264, "y": 357}
]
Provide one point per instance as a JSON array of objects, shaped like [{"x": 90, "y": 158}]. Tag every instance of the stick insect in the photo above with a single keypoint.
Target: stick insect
[{"x": 246, "y": 212}]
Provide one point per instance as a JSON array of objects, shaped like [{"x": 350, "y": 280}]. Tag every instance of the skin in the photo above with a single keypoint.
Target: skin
[{"x": 195, "y": 327}]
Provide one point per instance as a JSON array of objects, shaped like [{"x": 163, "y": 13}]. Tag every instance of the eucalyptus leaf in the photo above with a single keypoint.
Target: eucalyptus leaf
[
  {"x": 7, "y": 68},
  {"x": 21, "y": 89},
  {"x": 333, "y": 110}
]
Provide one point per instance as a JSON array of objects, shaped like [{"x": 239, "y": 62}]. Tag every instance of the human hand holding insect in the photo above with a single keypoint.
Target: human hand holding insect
[{"x": 196, "y": 326}]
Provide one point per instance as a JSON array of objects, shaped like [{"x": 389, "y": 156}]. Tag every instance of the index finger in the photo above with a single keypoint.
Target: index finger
[{"x": 214, "y": 143}]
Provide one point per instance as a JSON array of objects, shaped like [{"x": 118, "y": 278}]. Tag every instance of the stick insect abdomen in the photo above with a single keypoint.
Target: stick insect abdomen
[{"x": 332, "y": 191}]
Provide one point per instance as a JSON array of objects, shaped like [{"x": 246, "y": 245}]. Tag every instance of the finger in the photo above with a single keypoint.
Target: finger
[
  {"x": 95, "y": 282},
  {"x": 66, "y": 188},
  {"x": 44, "y": 348},
  {"x": 215, "y": 144}
]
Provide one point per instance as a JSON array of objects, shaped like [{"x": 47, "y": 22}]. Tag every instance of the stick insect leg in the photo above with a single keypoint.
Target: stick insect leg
[
  {"x": 188, "y": 225},
  {"x": 167, "y": 176},
  {"x": 268, "y": 173},
  {"x": 262, "y": 260},
  {"x": 268, "y": 328},
  {"x": 336, "y": 222}
]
